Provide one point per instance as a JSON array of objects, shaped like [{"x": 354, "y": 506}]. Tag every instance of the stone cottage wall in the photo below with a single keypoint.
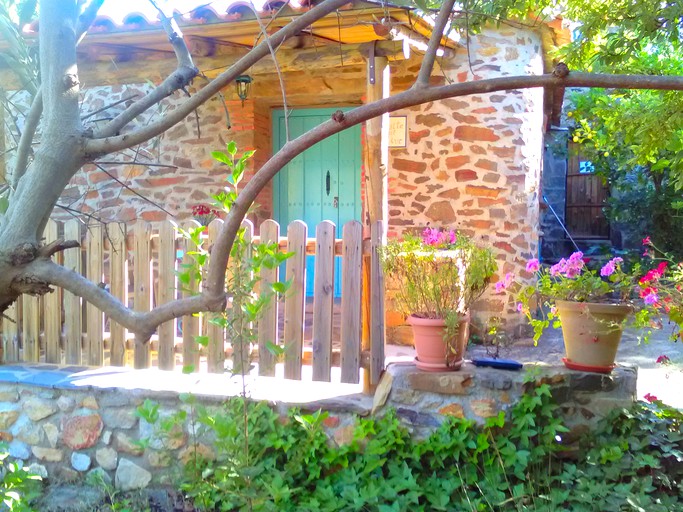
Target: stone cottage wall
[
  {"x": 473, "y": 163},
  {"x": 181, "y": 172},
  {"x": 554, "y": 241},
  {"x": 67, "y": 423}
]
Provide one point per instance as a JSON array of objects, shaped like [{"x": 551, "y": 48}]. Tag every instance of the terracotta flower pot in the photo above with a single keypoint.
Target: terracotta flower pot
[
  {"x": 591, "y": 333},
  {"x": 434, "y": 354}
]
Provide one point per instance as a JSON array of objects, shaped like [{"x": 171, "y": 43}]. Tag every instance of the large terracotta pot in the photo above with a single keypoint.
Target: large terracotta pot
[
  {"x": 434, "y": 354},
  {"x": 591, "y": 333}
]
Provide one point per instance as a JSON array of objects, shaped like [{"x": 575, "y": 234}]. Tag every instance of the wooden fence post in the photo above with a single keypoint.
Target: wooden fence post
[
  {"x": 215, "y": 356},
  {"x": 190, "y": 323},
  {"x": 297, "y": 233},
  {"x": 352, "y": 251},
  {"x": 166, "y": 292},
  {"x": 141, "y": 280},
  {"x": 323, "y": 297},
  {"x": 376, "y": 305},
  {"x": 94, "y": 324},
  {"x": 73, "y": 310},
  {"x": 118, "y": 282},
  {"x": 53, "y": 306},
  {"x": 267, "y": 325}
]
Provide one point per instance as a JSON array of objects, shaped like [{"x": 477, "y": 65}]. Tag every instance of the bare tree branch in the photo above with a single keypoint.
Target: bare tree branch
[
  {"x": 221, "y": 250},
  {"x": 179, "y": 79},
  {"x": 98, "y": 147},
  {"x": 142, "y": 325},
  {"x": 434, "y": 43},
  {"x": 135, "y": 192},
  {"x": 266, "y": 38},
  {"x": 24, "y": 147}
]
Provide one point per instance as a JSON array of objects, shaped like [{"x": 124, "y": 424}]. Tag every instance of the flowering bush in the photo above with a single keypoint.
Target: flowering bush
[
  {"x": 661, "y": 289},
  {"x": 438, "y": 274},
  {"x": 571, "y": 280},
  {"x": 654, "y": 294},
  {"x": 204, "y": 215}
]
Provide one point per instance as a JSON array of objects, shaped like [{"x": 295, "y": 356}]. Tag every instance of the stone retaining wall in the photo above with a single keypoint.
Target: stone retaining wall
[{"x": 67, "y": 423}]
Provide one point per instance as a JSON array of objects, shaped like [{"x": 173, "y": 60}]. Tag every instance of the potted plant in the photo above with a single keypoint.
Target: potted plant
[
  {"x": 591, "y": 307},
  {"x": 437, "y": 277}
]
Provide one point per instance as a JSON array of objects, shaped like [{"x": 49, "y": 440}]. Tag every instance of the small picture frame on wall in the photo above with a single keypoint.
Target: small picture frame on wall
[{"x": 398, "y": 131}]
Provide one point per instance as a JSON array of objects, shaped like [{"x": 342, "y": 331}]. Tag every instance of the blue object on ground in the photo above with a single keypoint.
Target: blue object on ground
[{"x": 501, "y": 364}]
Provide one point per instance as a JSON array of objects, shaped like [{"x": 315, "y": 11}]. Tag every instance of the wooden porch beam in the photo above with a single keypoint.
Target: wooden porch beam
[
  {"x": 376, "y": 155},
  {"x": 138, "y": 70}
]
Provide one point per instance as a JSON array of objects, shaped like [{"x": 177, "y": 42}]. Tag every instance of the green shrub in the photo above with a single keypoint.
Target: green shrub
[
  {"x": 18, "y": 486},
  {"x": 633, "y": 461}
]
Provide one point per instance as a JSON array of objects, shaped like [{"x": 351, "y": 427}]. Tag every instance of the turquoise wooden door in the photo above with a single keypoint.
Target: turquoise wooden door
[{"x": 322, "y": 183}]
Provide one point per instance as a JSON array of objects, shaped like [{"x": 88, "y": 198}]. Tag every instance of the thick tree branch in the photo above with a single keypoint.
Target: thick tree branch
[
  {"x": 184, "y": 74},
  {"x": 434, "y": 43},
  {"x": 26, "y": 140},
  {"x": 141, "y": 324},
  {"x": 221, "y": 250},
  {"x": 86, "y": 19},
  {"x": 97, "y": 147}
]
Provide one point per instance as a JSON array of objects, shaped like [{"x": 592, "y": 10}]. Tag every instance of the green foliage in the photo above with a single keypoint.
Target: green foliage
[
  {"x": 246, "y": 261},
  {"x": 115, "y": 500},
  {"x": 610, "y": 34},
  {"x": 292, "y": 465},
  {"x": 434, "y": 280},
  {"x": 18, "y": 486},
  {"x": 633, "y": 460},
  {"x": 635, "y": 141}
]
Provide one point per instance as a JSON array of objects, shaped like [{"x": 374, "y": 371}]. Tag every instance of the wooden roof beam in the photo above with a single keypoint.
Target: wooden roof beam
[{"x": 141, "y": 71}]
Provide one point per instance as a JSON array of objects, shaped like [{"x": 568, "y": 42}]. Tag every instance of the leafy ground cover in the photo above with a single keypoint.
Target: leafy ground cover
[{"x": 525, "y": 461}]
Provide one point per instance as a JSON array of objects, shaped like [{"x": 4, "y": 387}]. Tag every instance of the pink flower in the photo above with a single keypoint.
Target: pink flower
[
  {"x": 533, "y": 265},
  {"x": 650, "y": 398},
  {"x": 504, "y": 283},
  {"x": 647, "y": 241},
  {"x": 572, "y": 272},
  {"x": 558, "y": 268},
  {"x": 610, "y": 266},
  {"x": 520, "y": 307},
  {"x": 651, "y": 298},
  {"x": 430, "y": 236},
  {"x": 553, "y": 310},
  {"x": 663, "y": 359}
]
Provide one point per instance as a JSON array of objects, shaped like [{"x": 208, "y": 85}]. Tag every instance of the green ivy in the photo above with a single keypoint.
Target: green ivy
[{"x": 633, "y": 461}]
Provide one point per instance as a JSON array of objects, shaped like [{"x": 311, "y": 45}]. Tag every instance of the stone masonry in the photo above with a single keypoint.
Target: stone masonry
[
  {"x": 67, "y": 423},
  {"x": 473, "y": 163}
]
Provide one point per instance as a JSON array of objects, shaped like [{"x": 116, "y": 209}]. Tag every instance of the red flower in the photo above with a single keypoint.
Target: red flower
[
  {"x": 647, "y": 241},
  {"x": 647, "y": 291},
  {"x": 650, "y": 398},
  {"x": 663, "y": 359}
]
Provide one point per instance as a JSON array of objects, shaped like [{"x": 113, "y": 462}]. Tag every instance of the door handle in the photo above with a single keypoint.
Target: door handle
[{"x": 327, "y": 183}]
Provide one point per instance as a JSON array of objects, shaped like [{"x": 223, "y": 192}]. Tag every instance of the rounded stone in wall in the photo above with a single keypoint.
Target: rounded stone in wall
[{"x": 82, "y": 430}]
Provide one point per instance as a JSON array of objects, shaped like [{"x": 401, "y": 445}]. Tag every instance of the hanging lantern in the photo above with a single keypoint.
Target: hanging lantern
[{"x": 243, "y": 84}]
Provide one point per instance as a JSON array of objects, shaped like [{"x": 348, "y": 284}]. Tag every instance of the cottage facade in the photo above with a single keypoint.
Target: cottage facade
[{"x": 472, "y": 163}]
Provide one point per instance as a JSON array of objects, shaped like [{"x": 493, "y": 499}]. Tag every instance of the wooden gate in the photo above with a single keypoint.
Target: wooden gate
[{"x": 586, "y": 198}]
